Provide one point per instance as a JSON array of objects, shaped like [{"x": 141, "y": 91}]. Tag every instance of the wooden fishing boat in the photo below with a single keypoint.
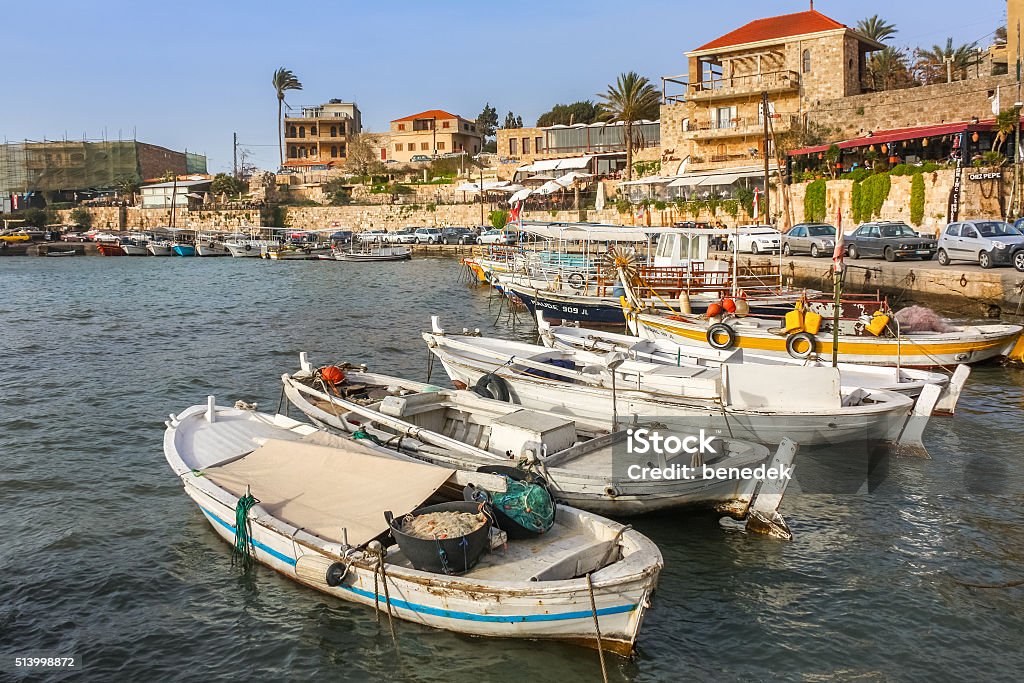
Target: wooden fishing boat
[
  {"x": 110, "y": 249},
  {"x": 183, "y": 248},
  {"x": 907, "y": 381},
  {"x": 160, "y": 248},
  {"x": 60, "y": 252},
  {"x": 320, "y": 521},
  {"x": 374, "y": 252},
  {"x": 755, "y": 402},
  {"x": 585, "y": 464},
  {"x": 133, "y": 247}
]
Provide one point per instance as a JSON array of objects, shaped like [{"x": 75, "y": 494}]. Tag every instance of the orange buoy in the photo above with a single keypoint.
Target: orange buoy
[
  {"x": 729, "y": 305},
  {"x": 332, "y": 374},
  {"x": 713, "y": 310}
]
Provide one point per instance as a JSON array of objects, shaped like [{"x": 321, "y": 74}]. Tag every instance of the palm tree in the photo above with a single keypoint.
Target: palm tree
[
  {"x": 1006, "y": 123},
  {"x": 631, "y": 98},
  {"x": 932, "y": 62},
  {"x": 876, "y": 28},
  {"x": 284, "y": 80},
  {"x": 887, "y": 69}
]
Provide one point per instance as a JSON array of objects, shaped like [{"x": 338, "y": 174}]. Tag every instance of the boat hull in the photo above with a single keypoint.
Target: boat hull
[
  {"x": 243, "y": 250},
  {"x": 134, "y": 250},
  {"x": 111, "y": 250},
  {"x": 184, "y": 250},
  {"x": 211, "y": 249},
  {"x": 160, "y": 249}
]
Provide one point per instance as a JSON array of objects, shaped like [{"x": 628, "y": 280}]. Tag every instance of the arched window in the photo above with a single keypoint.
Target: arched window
[
  {"x": 291, "y": 151},
  {"x": 302, "y": 131},
  {"x": 334, "y": 131},
  {"x": 291, "y": 131},
  {"x": 807, "y": 61}
]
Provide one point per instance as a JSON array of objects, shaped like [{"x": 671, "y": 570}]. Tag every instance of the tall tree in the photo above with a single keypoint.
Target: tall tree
[
  {"x": 932, "y": 62},
  {"x": 888, "y": 69},
  {"x": 360, "y": 156},
  {"x": 584, "y": 111},
  {"x": 487, "y": 122},
  {"x": 284, "y": 80},
  {"x": 631, "y": 98},
  {"x": 876, "y": 28},
  {"x": 513, "y": 121}
]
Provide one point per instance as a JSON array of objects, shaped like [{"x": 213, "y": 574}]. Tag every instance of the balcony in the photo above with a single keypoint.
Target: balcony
[
  {"x": 751, "y": 126},
  {"x": 741, "y": 86}
]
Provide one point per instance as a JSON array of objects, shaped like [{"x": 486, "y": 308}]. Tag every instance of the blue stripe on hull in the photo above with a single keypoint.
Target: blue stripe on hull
[{"x": 437, "y": 611}]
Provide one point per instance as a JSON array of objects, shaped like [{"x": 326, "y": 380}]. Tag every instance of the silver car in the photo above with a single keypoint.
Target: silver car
[
  {"x": 816, "y": 239},
  {"x": 987, "y": 243}
]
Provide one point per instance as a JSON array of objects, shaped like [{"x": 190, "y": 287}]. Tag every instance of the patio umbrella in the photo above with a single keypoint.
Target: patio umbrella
[{"x": 599, "y": 202}]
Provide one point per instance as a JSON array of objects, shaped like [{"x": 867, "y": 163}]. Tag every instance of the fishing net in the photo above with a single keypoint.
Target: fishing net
[
  {"x": 529, "y": 505},
  {"x": 442, "y": 524}
]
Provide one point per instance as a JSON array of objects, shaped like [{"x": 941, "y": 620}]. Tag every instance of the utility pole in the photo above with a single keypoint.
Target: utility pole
[
  {"x": 1017, "y": 104},
  {"x": 481, "y": 188},
  {"x": 234, "y": 152},
  {"x": 767, "y": 195}
]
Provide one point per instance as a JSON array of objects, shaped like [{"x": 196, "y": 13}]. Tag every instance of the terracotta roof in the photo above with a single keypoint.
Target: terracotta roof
[
  {"x": 429, "y": 114},
  {"x": 899, "y": 134},
  {"x": 772, "y": 28}
]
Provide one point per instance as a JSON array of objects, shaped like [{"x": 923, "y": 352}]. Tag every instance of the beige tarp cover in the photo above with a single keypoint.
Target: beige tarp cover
[{"x": 320, "y": 489}]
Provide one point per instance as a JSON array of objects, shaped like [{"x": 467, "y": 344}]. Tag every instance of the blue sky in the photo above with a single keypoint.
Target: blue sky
[{"x": 188, "y": 74}]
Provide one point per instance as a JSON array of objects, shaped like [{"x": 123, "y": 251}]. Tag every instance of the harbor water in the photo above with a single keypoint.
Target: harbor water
[{"x": 104, "y": 557}]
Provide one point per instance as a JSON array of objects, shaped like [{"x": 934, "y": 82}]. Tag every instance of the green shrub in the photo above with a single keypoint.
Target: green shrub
[
  {"x": 855, "y": 201},
  {"x": 498, "y": 218},
  {"x": 81, "y": 218},
  {"x": 814, "y": 201},
  {"x": 857, "y": 175},
  {"x": 731, "y": 207},
  {"x": 917, "y": 199}
]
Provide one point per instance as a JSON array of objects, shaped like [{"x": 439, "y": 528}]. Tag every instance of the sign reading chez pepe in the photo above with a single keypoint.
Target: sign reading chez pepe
[{"x": 985, "y": 176}]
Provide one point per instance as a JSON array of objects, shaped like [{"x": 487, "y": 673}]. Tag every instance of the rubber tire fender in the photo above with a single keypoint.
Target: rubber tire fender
[
  {"x": 791, "y": 341},
  {"x": 493, "y": 387},
  {"x": 577, "y": 281},
  {"x": 721, "y": 328}
]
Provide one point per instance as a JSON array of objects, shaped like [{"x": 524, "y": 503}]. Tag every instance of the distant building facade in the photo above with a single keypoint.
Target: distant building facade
[
  {"x": 433, "y": 133},
  {"x": 319, "y": 135},
  {"x": 551, "y": 142},
  {"x": 183, "y": 193},
  {"x": 73, "y": 170},
  {"x": 712, "y": 116}
]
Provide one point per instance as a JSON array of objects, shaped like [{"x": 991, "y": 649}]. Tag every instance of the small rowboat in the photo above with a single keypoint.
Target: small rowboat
[
  {"x": 585, "y": 464},
  {"x": 60, "y": 252},
  {"x": 319, "y": 520},
  {"x": 375, "y": 253}
]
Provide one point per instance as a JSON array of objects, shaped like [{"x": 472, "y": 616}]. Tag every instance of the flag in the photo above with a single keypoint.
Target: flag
[
  {"x": 757, "y": 204},
  {"x": 840, "y": 250},
  {"x": 513, "y": 215}
]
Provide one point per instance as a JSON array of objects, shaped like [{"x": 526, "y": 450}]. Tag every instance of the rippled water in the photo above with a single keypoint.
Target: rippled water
[{"x": 104, "y": 556}]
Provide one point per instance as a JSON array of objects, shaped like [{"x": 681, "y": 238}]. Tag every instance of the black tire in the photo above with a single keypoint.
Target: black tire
[
  {"x": 430, "y": 240},
  {"x": 943, "y": 257},
  {"x": 814, "y": 251},
  {"x": 794, "y": 339},
  {"x": 985, "y": 259},
  {"x": 889, "y": 254},
  {"x": 479, "y": 241},
  {"x": 786, "y": 251},
  {"x": 336, "y": 574},
  {"x": 852, "y": 252},
  {"x": 577, "y": 281},
  {"x": 1018, "y": 260},
  {"x": 492, "y": 386},
  {"x": 718, "y": 329}
]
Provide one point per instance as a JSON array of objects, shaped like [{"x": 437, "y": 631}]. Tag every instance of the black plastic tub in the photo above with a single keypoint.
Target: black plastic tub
[{"x": 456, "y": 555}]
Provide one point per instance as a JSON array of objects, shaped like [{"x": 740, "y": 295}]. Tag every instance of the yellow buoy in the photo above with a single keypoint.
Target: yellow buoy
[
  {"x": 794, "y": 321},
  {"x": 812, "y": 322},
  {"x": 878, "y": 322}
]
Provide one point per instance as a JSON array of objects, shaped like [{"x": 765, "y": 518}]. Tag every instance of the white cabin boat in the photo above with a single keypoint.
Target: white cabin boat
[{"x": 320, "y": 521}]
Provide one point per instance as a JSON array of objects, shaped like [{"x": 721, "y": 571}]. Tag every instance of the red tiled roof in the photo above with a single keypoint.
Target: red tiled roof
[
  {"x": 775, "y": 27},
  {"x": 898, "y": 134},
  {"x": 429, "y": 114}
]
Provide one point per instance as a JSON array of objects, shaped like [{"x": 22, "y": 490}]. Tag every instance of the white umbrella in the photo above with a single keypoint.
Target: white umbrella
[
  {"x": 520, "y": 195},
  {"x": 599, "y": 202}
]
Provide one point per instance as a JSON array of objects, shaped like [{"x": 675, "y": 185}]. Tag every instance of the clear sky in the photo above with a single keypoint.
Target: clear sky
[{"x": 188, "y": 73}]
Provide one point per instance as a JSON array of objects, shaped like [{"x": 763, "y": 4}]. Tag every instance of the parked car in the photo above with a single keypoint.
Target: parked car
[
  {"x": 403, "y": 236},
  {"x": 416, "y": 158},
  {"x": 816, "y": 239},
  {"x": 988, "y": 243},
  {"x": 891, "y": 240},
  {"x": 14, "y": 236},
  {"x": 428, "y": 235},
  {"x": 496, "y": 237},
  {"x": 457, "y": 236},
  {"x": 74, "y": 237},
  {"x": 755, "y": 239},
  {"x": 1017, "y": 257},
  {"x": 341, "y": 237},
  {"x": 372, "y": 236}
]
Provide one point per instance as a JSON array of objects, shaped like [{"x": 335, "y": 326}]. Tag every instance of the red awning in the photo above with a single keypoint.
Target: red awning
[{"x": 899, "y": 134}]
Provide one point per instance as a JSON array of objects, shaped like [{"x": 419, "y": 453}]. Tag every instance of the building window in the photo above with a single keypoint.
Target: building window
[
  {"x": 292, "y": 132},
  {"x": 312, "y": 131},
  {"x": 401, "y": 126},
  {"x": 292, "y": 154},
  {"x": 513, "y": 146},
  {"x": 538, "y": 143},
  {"x": 334, "y": 151},
  {"x": 425, "y": 146},
  {"x": 334, "y": 131},
  {"x": 807, "y": 61},
  {"x": 302, "y": 131},
  {"x": 472, "y": 127},
  {"x": 526, "y": 145},
  {"x": 445, "y": 124},
  {"x": 465, "y": 126},
  {"x": 476, "y": 149},
  {"x": 398, "y": 146},
  {"x": 341, "y": 151},
  {"x": 440, "y": 145}
]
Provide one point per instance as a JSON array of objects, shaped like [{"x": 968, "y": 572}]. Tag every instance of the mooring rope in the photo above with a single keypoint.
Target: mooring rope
[
  {"x": 244, "y": 547},
  {"x": 597, "y": 627}
]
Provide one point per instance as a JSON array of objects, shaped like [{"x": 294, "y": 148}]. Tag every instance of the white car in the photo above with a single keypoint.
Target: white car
[
  {"x": 755, "y": 239},
  {"x": 428, "y": 235},
  {"x": 403, "y": 236},
  {"x": 372, "y": 236},
  {"x": 496, "y": 237}
]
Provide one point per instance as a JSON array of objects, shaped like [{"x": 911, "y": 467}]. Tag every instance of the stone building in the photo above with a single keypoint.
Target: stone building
[
  {"x": 433, "y": 133},
  {"x": 318, "y": 136},
  {"x": 712, "y": 116}
]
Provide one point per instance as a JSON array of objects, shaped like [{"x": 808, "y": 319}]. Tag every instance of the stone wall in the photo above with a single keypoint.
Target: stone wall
[
  {"x": 922, "y": 106},
  {"x": 133, "y": 217}
]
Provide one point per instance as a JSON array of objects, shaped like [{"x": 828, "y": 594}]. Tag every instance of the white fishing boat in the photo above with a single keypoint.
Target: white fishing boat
[
  {"x": 248, "y": 248},
  {"x": 366, "y": 251},
  {"x": 667, "y": 352},
  {"x": 312, "y": 507},
  {"x": 160, "y": 247},
  {"x": 211, "y": 245},
  {"x": 586, "y": 465},
  {"x": 135, "y": 247},
  {"x": 758, "y": 402}
]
